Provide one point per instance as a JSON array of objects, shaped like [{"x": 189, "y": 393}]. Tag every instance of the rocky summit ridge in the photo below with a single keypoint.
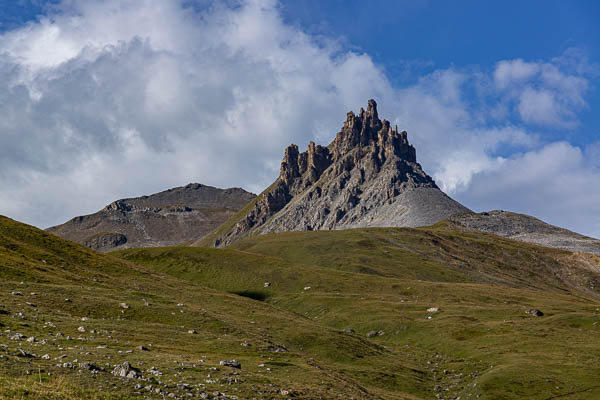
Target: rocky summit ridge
[
  {"x": 174, "y": 216},
  {"x": 367, "y": 176}
]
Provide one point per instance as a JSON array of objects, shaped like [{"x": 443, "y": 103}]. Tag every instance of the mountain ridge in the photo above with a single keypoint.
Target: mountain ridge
[
  {"x": 170, "y": 217},
  {"x": 525, "y": 228}
]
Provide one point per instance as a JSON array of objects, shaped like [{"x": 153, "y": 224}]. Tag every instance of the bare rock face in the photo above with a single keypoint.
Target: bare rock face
[
  {"x": 368, "y": 176},
  {"x": 167, "y": 218},
  {"x": 105, "y": 241}
]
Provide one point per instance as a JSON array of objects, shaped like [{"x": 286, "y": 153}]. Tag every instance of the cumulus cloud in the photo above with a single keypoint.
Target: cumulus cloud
[
  {"x": 103, "y": 100},
  {"x": 508, "y": 72},
  {"x": 527, "y": 181},
  {"x": 548, "y": 94},
  {"x": 115, "y": 98}
]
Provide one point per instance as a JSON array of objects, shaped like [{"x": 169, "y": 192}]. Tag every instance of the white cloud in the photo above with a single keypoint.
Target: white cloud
[
  {"x": 122, "y": 98},
  {"x": 547, "y": 94},
  {"x": 541, "y": 107},
  {"x": 508, "y": 72},
  {"x": 118, "y": 98},
  {"x": 556, "y": 183}
]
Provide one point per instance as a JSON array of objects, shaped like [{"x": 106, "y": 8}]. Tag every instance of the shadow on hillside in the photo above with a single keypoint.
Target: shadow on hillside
[{"x": 252, "y": 294}]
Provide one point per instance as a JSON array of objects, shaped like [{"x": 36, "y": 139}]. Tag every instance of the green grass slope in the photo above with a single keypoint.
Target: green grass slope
[
  {"x": 67, "y": 300},
  {"x": 481, "y": 343}
]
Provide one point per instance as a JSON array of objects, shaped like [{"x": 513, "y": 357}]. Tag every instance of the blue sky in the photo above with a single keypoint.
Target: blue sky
[
  {"x": 412, "y": 38},
  {"x": 102, "y": 100}
]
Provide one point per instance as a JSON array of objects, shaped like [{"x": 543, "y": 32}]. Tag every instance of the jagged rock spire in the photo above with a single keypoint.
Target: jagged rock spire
[{"x": 367, "y": 176}]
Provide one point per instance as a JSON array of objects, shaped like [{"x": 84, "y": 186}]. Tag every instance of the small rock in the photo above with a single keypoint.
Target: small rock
[
  {"x": 230, "y": 363},
  {"x": 126, "y": 370},
  {"x": 433, "y": 309},
  {"x": 68, "y": 300},
  {"x": 267, "y": 284},
  {"x": 31, "y": 339},
  {"x": 534, "y": 312},
  {"x": 124, "y": 305},
  {"x": 349, "y": 330},
  {"x": 46, "y": 357},
  {"x": 88, "y": 366},
  {"x": 306, "y": 287},
  {"x": 81, "y": 329},
  {"x": 192, "y": 332},
  {"x": 17, "y": 293},
  {"x": 278, "y": 348},
  {"x": 16, "y": 336},
  {"x": 23, "y": 353},
  {"x": 143, "y": 348}
]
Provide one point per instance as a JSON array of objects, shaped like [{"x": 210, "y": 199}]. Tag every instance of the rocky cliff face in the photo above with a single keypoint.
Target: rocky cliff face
[
  {"x": 167, "y": 218},
  {"x": 368, "y": 176}
]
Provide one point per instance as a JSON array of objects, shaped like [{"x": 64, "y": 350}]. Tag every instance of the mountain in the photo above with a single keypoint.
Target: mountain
[
  {"x": 526, "y": 229},
  {"x": 368, "y": 176},
  {"x": 167, "y": 218}
]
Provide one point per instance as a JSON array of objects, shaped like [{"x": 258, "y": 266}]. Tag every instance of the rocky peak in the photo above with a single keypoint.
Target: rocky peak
[
  {"x": 367, "y": 176},
  {"x": 362, "y": 134}
]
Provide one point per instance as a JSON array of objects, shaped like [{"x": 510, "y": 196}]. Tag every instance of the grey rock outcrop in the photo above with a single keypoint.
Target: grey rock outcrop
[
  {"x": 368, "y": 176},
  {"x": 126, "y": 370}
]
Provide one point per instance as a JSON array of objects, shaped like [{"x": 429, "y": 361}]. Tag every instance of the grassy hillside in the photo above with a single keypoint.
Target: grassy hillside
[
  {"x": 481, "y": 342},
  {"x": 289, "y": 335},
  {"x": 50, "y": 287}
]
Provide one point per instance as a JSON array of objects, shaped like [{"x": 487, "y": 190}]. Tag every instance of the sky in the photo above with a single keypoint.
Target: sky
[{"x": 102, "y": 100}]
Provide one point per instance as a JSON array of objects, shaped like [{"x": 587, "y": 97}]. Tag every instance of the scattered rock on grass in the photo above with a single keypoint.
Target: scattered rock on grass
[
  {"x": 88, "y": 366},
  {"x": 230, "y": 363},
  {"x": 534, "y": 312},
  {"x": 278, "y": 348},
  {"x": 349, "y": 330},
  {"x": 126, "y": 370}
]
